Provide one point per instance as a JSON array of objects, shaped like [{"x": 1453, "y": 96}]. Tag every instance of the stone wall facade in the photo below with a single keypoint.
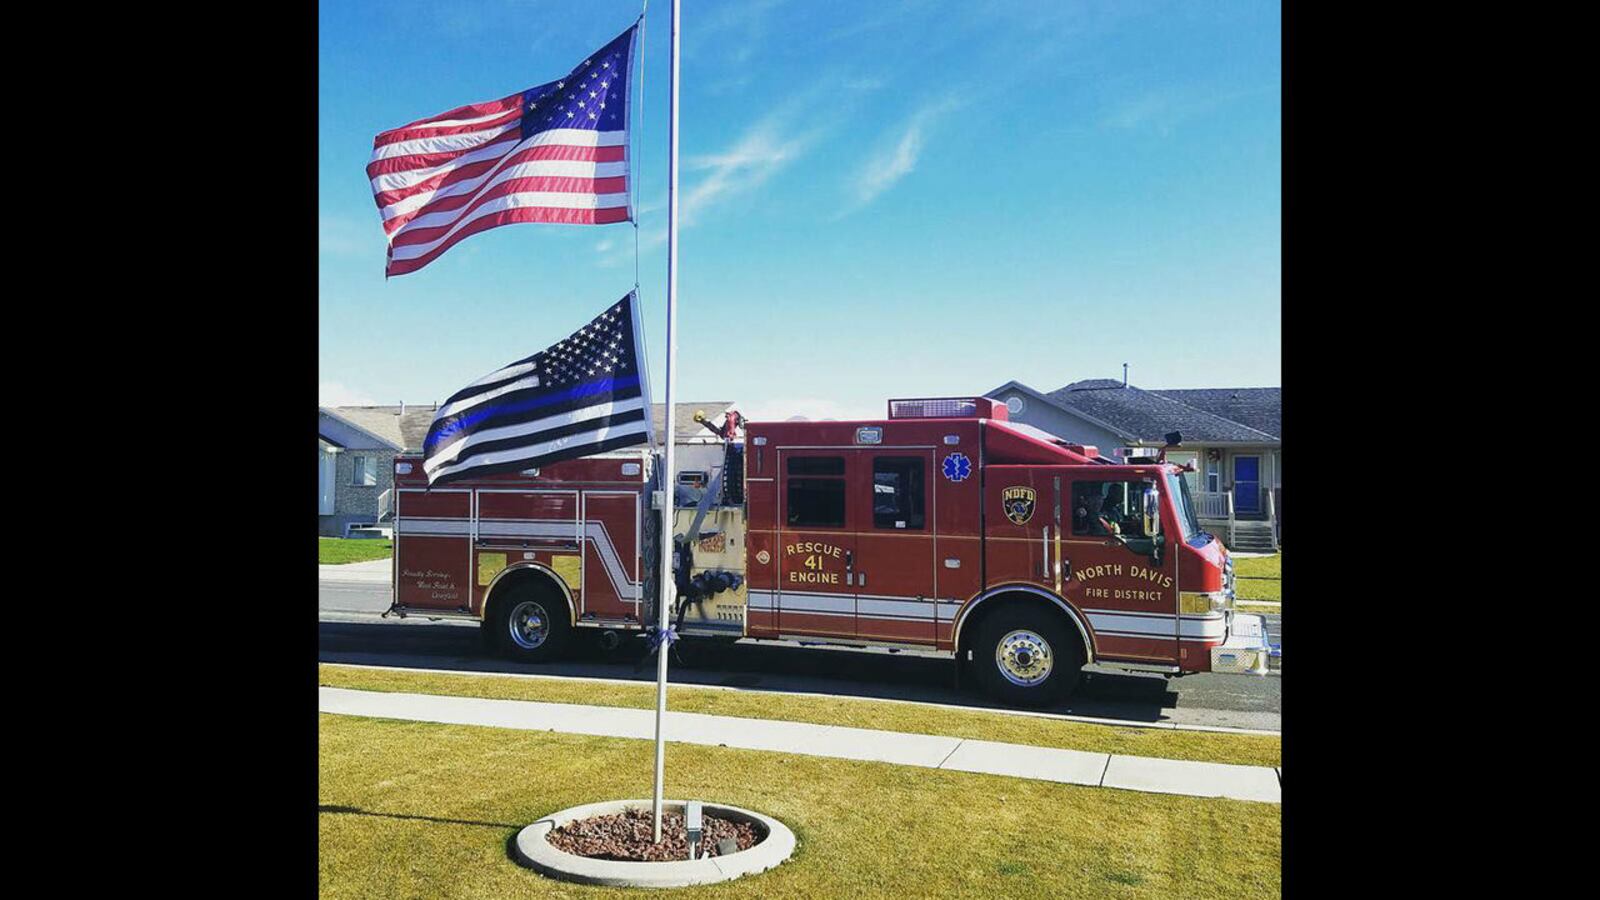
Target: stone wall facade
[{"x": 355, "y": 503}]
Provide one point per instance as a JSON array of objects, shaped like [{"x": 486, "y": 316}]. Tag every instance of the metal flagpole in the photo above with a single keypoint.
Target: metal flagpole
[{"x": 667, "y": 590}]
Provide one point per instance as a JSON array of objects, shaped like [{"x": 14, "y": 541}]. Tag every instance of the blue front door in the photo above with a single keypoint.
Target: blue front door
[{"x": 1247, "y": 484}]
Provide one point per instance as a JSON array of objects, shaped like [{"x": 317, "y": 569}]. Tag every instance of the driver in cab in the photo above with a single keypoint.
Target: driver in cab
[{"x": 1105, "y": 514}]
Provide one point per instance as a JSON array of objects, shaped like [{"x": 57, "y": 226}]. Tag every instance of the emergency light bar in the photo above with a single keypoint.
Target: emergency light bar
[
  {"x": 1136, "y": 453},
  {"x": 948, "y": 408}
]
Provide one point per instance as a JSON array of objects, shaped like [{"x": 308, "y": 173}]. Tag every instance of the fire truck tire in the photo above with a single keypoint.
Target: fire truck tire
[
  {"x": 1027, "y": 655},
  {"x": 528, "y": 622}
]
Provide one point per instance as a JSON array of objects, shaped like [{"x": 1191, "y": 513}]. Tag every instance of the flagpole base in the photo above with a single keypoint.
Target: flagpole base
[{"x": 532, "y": 849}]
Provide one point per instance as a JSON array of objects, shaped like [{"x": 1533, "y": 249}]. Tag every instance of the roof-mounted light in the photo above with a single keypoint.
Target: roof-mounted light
[
  {"x": 948, "y": 408},
  {"x": 1136, "y": 454}
]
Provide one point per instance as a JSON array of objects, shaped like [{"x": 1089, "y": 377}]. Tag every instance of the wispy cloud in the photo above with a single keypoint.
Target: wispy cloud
[
  {"x": 765, "y": 148},
  {"x": 738, "y": 27},
  {"x": 332, "y": 393},
  {"x": 1164, "y": 109},
  {"x": 342, "y": 236},
  {"x": 778, "y": 409},
  {"x": 771, "y": 143},
  {"x": 898, "y": 156},
  {"x": 615, "y": 252}
]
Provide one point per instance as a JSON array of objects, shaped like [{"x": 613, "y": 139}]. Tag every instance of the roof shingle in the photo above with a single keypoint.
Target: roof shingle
[
  {"x": 1258, "y": 408},
  {"x": 1150, "y": 415}
]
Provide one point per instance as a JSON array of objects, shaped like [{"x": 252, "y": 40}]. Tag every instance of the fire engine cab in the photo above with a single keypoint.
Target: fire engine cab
[{"x": 943, "y": 527}]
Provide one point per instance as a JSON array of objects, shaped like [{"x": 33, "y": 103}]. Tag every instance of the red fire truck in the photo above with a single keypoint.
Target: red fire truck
[{"x": 944, "y": 527}]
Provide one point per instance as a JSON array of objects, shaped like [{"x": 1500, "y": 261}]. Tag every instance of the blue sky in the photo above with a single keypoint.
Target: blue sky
[{"x": 887, "y": 199}]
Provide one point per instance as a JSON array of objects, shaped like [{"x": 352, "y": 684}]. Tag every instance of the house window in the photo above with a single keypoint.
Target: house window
[
  {"x": 364, "y": 474},
  {"x": 1185, "y": 458},
  {"x": 1213, "y": 475},
  {"x": 897, "y": 493},
  {"x": 816, "y": 491},
  {"x": 1116, "y": 502}
]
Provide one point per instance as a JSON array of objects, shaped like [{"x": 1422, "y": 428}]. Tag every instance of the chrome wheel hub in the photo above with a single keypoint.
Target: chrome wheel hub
[
  {"x": 1024, "y": 658},
  {"x": 530, "y": 625}
]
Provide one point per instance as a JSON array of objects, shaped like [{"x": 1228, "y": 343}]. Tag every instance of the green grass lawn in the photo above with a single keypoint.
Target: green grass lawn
[
  {"x": 1259, "y": 579},
  {"x": 336, "y": 551},
  {"x": 417, "y": 809},
  {"x": 1037, "y": 731}
]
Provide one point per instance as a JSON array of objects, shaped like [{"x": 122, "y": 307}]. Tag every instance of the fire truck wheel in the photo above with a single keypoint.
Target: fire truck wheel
[
  {"x": 529, "y": 623},
  {"x": 1027, "y": 656}
]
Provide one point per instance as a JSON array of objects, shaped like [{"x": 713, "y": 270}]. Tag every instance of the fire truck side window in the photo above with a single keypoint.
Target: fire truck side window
[
  {"x": 897, "y": 492},
  {"x": 1117, "y": 502},
  {"x": 816, "y": 491}
]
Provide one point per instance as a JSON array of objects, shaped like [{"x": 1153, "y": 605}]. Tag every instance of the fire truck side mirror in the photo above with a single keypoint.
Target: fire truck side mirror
[{"x": 1152, "y": 510}]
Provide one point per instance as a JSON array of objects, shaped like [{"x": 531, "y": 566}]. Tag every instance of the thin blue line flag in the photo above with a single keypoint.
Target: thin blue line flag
[{"x": 585, "y": 395}]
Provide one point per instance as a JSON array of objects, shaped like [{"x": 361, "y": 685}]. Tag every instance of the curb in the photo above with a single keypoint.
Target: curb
[
  {"x": 1154, "y": 774},
  {"x": 1032, "y": 714}
]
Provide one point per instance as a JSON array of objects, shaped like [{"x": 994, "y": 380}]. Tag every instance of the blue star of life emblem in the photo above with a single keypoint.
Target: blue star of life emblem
[{"x": 957, "y": 467}]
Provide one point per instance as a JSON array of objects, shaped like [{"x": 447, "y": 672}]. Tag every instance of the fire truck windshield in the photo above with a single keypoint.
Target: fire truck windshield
[{"x": 1188, "y": 522}]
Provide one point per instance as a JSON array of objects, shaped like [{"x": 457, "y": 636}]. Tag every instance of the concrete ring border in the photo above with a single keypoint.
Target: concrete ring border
[{"x": 534, "y": 851}]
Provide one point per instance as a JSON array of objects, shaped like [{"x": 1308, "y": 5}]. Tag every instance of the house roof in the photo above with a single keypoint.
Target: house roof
[
  {"x": 405, "y": 431},
  {"x": 410, "y": 429},
  {"x": 1138, "y": 415},
  {"x": 1150, "y": 415},
  {"x": 358, "y": 425},
  {"x": 1258, "y": 408}
]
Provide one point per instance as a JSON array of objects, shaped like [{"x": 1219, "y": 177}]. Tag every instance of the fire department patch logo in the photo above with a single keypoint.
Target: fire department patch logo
[{"x": 1018, "y": 503}]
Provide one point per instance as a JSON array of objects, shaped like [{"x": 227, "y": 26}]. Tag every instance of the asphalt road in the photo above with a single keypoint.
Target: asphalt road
[{"x": 350, "y": 631}]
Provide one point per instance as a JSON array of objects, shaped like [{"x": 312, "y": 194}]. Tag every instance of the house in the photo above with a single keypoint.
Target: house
[
  {"x": 356, "y": 447},
  {"x": 1230, "y": 435}
]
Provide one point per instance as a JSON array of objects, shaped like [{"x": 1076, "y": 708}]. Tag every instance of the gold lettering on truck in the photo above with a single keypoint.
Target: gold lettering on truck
[{"x": 806, "y": 562}]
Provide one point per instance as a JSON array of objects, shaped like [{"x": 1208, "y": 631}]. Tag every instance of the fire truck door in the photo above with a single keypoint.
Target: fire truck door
[
  {"x": 819, "y": 493},
  {"x": 1129, "y": 597},
  {"x": 894, "y": 565}
]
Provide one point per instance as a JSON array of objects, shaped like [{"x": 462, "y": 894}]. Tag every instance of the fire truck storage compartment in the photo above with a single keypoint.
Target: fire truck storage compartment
[
  {"x": 433, "y": 548},
  {"x": 611, "y": 583},
  {"x": 579, "y": 522}
]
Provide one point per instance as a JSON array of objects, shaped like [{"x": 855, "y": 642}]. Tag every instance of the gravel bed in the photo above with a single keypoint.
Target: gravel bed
[{"x": 627, "y": 836}]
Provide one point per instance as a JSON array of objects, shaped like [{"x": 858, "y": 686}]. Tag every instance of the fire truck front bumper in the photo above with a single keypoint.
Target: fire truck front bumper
[{"x": 1246, "y": 650}]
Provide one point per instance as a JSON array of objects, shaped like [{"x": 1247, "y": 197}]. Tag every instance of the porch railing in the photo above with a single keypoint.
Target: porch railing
[
  {"x": 1272, "y": 518},
  {"x": 1214, "y": 504},
  {"x": 383, "y": 504}
]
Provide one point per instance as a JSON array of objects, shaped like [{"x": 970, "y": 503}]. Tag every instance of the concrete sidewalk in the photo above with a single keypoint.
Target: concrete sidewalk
[
  {"x": 1135, "y": 773},
  {"x": 374, "y": 571}
]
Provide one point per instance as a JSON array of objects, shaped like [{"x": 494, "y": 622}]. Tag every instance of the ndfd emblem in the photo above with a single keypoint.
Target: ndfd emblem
[{"x": 1018, "y": 503}]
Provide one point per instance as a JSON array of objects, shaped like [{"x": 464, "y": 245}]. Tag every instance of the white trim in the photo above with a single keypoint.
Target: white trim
[
  {"x": 1156, "y": 625},
  {"x": 564, "y": 529}
]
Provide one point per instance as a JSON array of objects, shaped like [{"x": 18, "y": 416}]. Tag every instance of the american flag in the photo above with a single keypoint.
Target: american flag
[
  {"x": 585, "y": 395},
  {"x": 554, "y": 153}
]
